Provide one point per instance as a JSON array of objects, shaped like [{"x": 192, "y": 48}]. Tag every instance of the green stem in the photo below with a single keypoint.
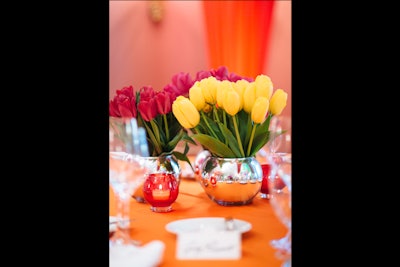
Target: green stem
[
  {"x": 154, "y": 139},
  {"x": 215, "y": 112},
  {"x": 249, "y": 125},
  {"x": 196, "y": 130},
  {"x": 208, "y": 125},
  {"x": 238, "y": 136},
  {"x": 166, "y": 127},
  {"x": 253, "y": 130},
  {"x": 224, "y": 116}
]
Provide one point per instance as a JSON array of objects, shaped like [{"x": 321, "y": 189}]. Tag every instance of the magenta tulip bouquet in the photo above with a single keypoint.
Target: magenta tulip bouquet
[
  {"x": 153, "y": 111},
  {"x": 230, "y": 115}
]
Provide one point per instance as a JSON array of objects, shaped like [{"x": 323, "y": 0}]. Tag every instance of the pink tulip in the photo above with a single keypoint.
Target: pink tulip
[
  {"x": 147, "y": 109},
  {"x": 123, "y": 104},
  {"x": 163, "y": 102}
]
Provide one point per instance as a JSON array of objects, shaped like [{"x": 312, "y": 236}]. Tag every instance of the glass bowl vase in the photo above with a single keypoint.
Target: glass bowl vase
[{"x": 231, "y": 181}]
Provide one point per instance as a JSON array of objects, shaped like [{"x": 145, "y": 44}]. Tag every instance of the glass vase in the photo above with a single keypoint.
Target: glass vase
[
  {"x": 198, "y": 163},
  {"x": 231, "y": 181}
]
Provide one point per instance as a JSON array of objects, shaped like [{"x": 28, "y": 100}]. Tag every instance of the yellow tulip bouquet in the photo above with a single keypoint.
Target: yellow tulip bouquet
[{"x": 230, "y": 117}]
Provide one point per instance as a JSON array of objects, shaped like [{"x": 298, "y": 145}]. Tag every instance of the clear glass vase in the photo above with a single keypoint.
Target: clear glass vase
[
  {"x": 231, "y": 181},
  {"x": 160, "y": 164}
]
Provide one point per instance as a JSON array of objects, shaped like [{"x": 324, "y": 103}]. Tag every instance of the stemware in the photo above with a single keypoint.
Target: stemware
[
  {"x": 127, "y": 145},
  {"x": 280, "y": 129},
  {"x": 280, "y": 187},
  {"x": 280, "y": 141}
]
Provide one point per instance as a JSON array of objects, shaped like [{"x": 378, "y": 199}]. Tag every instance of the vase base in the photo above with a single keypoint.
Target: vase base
[
  {"x": 232, "y": 203},
  {"x": 161, "y": 209}
]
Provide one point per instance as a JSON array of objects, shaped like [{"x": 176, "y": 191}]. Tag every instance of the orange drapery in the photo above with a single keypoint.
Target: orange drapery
[{"x": 238, "y": 34}]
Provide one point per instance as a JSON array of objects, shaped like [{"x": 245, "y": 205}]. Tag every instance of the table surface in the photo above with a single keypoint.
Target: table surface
[{"x": 192, "y": 202}]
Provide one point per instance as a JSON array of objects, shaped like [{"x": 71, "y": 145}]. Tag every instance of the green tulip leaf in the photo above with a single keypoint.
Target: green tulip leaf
[
  {"x": 183, "y": 157},
  {"x": 246, "y": 130},
  {"x": 215, "y": 146},
  {"x": 187, "y": 139},
  {"x": 232, "y": 142},
  {"x": 244, "y": 124},
  {"x": 258, "y": 142},
  {"x": 186, "y": 150},
  {"x": 174, "y": 141},
  {"x": 156, "y": 132},
  {"x": 211, "y": 124},
  {"x": 153, "y": 141}
]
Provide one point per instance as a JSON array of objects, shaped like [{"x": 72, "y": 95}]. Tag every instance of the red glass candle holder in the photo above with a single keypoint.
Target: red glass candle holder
[
  {"x": 160, "y": 190},
  {"x": 264, "y": 192},
  {"x": 279, "y": 184}
]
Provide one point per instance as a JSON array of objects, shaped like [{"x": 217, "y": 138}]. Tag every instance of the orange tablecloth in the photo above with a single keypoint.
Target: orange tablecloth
[{"x": 193, "y": 202}]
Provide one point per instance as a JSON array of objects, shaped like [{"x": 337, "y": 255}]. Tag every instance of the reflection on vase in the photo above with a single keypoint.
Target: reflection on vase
[
  {"x": 161, "y": 164},
  {"x": 231, "y": 181},
  {"x": 198, "y": 163}
]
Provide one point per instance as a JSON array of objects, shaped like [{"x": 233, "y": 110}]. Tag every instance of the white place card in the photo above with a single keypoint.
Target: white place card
[{"x": 207, "y": 245}]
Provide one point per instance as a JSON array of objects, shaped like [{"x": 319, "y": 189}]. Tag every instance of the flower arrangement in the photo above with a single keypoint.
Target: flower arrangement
[
  {"x": 152, "y": 109},
  {"x": 229, "y": 115}
]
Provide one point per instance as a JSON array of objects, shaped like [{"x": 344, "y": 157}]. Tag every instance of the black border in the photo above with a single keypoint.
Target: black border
[
  {"x": 324, "y": 98},
  {"x": 309, "y": 225},
  {"x": 60, "y": 54}
]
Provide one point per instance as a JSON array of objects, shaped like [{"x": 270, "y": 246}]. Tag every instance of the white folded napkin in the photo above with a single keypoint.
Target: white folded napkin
[
  {"x": 113, "y": 223},
  {"x": 148, "y": 255}
]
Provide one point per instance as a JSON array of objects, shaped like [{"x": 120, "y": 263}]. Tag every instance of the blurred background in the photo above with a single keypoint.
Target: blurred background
[{"x": 150, "y": 41}]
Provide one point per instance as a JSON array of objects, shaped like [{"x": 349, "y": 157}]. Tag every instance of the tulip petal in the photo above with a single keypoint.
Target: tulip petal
[{"x": 278, "y": 102}]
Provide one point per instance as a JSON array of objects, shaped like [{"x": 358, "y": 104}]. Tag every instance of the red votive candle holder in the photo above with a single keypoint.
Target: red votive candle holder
[
  {"x": 264, "y": 192},
  {"x": 160, "y": 190}
]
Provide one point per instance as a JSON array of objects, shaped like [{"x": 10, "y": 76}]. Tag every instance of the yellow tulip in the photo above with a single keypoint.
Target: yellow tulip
[
  {"x": 207, "y": 108},
  {"x": 185, "y": 112},
  {"x": 260, "y": 109},
  {"x": 278, "y": 102},
  {"x": 240, "y": 86},
  {"x": 264, "y": 86},
  {"x": 223, "y": 86},
  {"x": 249, "y": 97},
  {"x": 231, "y": 102},
  {"x": 209, "y": 89},
  {"x": 196, "y": 96}
]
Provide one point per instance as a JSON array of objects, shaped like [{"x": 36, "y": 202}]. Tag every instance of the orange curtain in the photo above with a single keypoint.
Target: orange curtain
[{"x": 238, "y": 34}]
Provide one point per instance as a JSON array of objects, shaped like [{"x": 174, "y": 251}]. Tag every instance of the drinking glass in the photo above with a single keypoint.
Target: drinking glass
[
  {"x": 280, "y": 190},
  {"x": 127, "y": 146},
  {"x": 280, "y": 185},
  {"x": 280, "y": 129},
  {"x": 280, "y": 141}
]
